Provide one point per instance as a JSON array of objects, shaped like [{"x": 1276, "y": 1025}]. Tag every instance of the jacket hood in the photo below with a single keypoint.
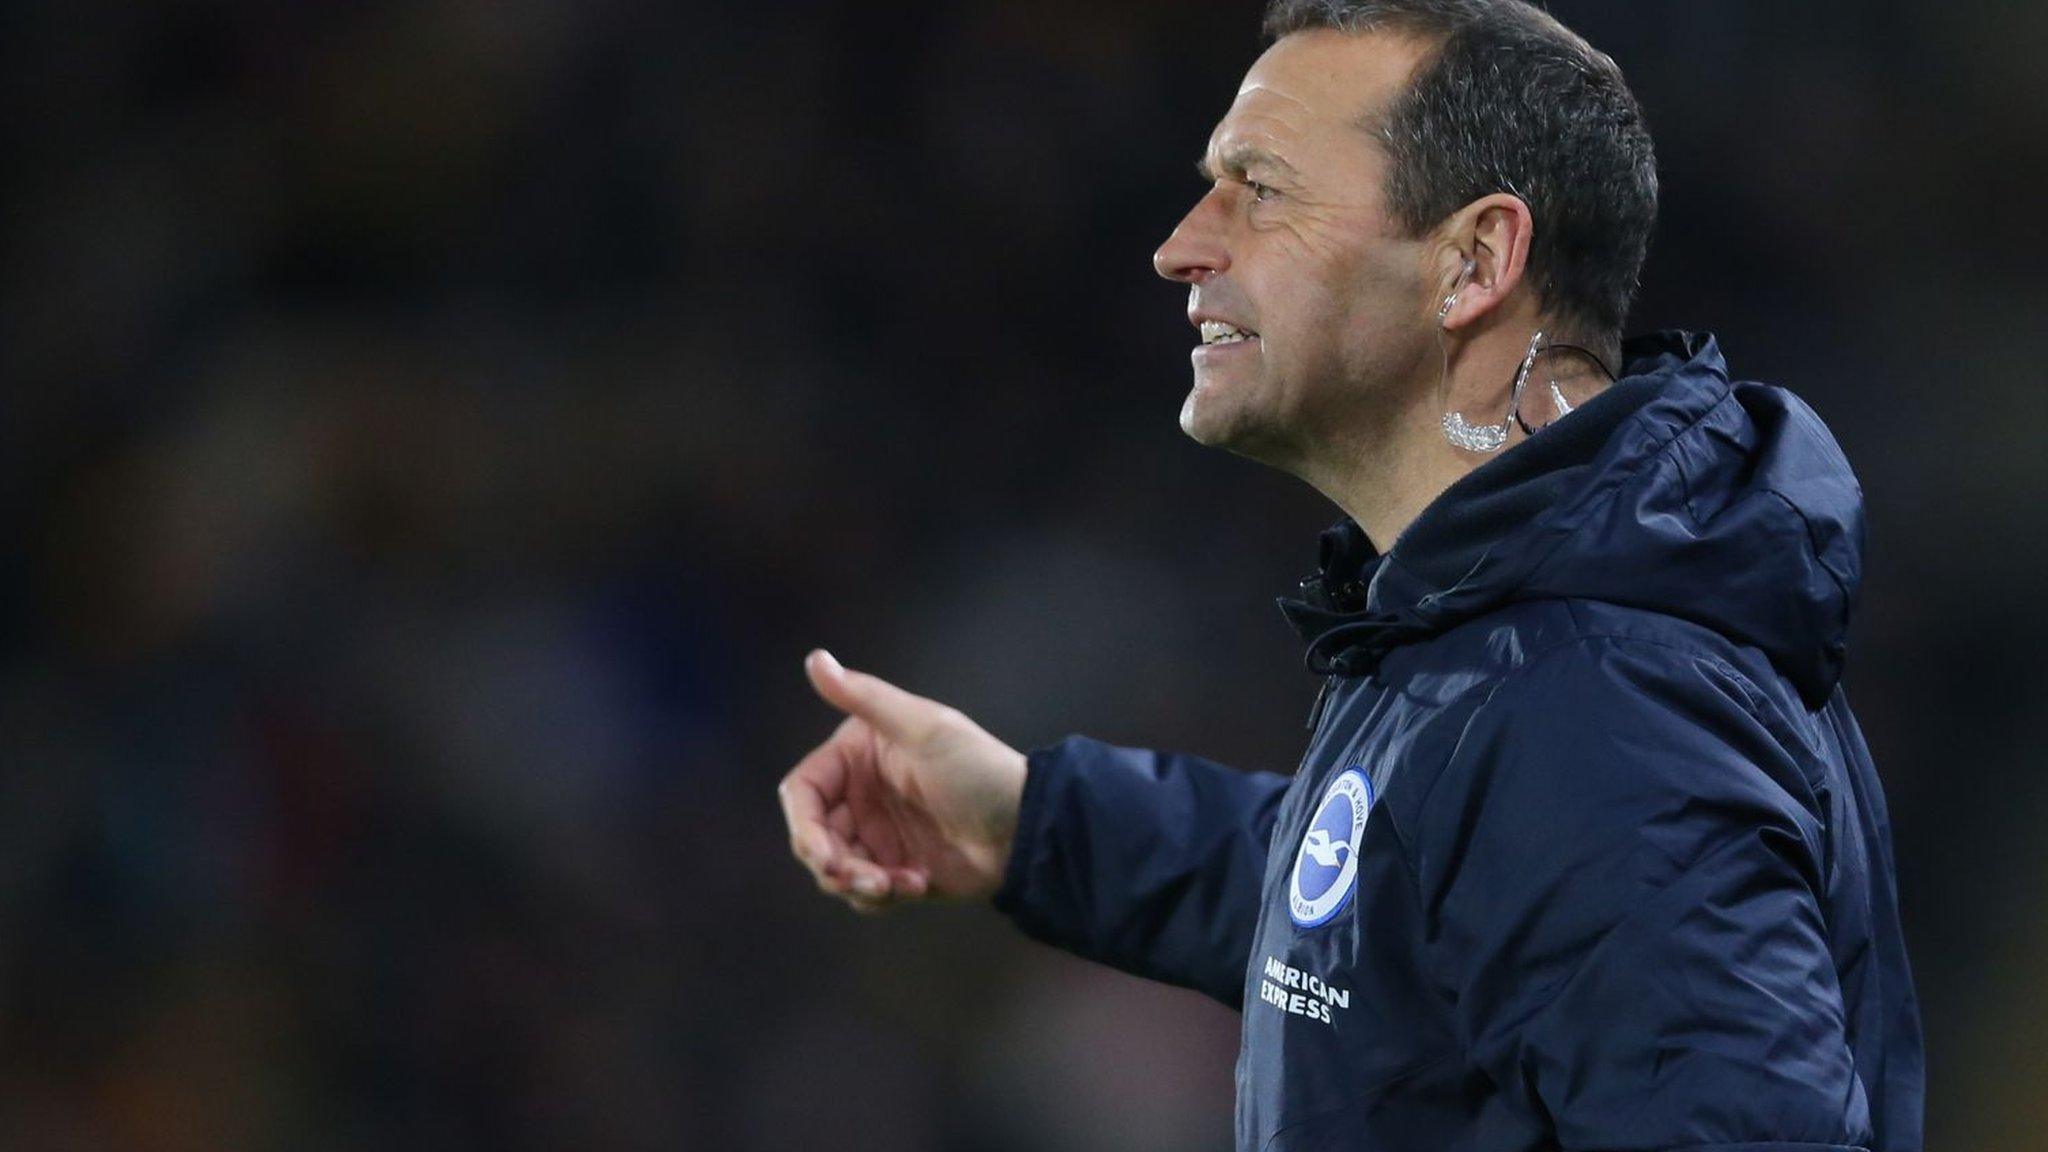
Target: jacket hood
[{"x": 1674, "y": 490}]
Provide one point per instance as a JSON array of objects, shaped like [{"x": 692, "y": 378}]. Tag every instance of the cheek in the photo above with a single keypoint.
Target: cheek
[
  {"x": 1329, "y": 308},
  {"x": 1306, "y": 290},
  {"x": 1340, "y": 294},
  {"x": 1353, "y": 318},
  {"x": 1372, "y": 298},
  {"x": 1331, "y": 271}
]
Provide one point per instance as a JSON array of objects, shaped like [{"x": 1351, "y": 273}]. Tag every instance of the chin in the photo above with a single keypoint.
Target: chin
[
  {"x": 1214, "y": 424},
  {"x": 1188, "y": 423},
  {"x": 1201, "y": 421}
]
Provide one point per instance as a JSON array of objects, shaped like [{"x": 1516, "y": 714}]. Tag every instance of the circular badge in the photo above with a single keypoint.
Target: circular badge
[{"x": 1326, "y": 866}]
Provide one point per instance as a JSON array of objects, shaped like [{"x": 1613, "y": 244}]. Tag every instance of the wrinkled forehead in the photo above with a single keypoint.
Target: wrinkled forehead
[{"x": 1318, "y": 89}]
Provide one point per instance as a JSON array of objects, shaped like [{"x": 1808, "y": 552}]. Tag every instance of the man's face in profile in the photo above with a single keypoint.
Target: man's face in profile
[{"x": 1316, "y": 303}]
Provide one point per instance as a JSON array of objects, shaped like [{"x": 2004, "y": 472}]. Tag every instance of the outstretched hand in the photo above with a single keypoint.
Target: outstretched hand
[{"x": 907, "y": 799}]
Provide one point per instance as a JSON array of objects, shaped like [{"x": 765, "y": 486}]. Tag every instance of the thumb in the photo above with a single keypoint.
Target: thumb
[{"x": 873, "y": 699}]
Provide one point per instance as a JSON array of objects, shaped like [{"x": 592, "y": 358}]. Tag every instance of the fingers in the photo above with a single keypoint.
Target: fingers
[
  {"x": 837, "y": 828},
  {"x": 909, "y": 883},
  {"x": 840, "y": 821},
  {"x": 867, "y": 886},
  {"x": 811, "y": 839},
  {"x": 869, "y": 811},
  {"x": 824, "y": 837},
  {"x": 871, "y": 888},
  {"x": 873, "y": 699}
]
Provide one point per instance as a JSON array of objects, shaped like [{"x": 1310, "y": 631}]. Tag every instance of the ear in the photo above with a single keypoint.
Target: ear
[{"x": 1495, "y": 230}]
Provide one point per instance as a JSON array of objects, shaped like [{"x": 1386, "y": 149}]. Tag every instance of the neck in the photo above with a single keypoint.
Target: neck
[
  {"x": 1387, "y": 476},
  {"x": 1385, "y": 486}
]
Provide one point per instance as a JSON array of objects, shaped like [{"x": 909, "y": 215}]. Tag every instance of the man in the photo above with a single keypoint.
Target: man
[{"x": 1587, "y": 851}]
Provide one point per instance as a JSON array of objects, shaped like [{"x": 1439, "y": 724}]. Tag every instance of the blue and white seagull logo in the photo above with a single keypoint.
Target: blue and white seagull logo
[
  {"x": 1320, "y": 848},
  {"x": 1326, "y": 864}
]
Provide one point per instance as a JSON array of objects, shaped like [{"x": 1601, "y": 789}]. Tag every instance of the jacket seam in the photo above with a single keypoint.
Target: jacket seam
[
  {"x": 1819, "y": 558},
  {"x": 1493, "y": 687},
  {"x": 1667, "y": 449},
  {"x": 1414, "y": 879},
  {"x": 1551, "y": 995},
  {"x": 1659, "y": 449}
]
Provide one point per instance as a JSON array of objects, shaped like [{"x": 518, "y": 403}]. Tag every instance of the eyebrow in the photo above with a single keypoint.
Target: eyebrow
[{"x": 1236, "y": 161}]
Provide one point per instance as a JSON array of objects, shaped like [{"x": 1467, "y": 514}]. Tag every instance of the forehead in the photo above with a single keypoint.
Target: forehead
[{"x": 1311, "y": 90}]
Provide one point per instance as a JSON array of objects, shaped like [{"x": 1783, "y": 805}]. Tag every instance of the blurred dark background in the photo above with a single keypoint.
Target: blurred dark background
[{"x": 433, "y": 432}]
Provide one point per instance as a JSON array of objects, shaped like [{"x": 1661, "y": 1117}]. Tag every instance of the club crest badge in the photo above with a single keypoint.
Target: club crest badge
[{"x": 1326, "y": 866}]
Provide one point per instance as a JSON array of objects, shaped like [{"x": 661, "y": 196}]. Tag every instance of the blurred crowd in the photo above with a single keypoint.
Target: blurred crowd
[{"x": 433, "y": 432}]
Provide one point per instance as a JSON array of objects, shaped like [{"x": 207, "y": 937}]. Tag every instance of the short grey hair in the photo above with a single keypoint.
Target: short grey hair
[{"x": 1513, "y": 101}]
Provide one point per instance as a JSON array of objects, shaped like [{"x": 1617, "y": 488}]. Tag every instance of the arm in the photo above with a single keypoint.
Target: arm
[
  {"x": 1147, "y": 861},
  {"x": 1621, "y": 873}
]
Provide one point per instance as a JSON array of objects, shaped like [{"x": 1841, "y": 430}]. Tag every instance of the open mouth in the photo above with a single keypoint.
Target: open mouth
[{"x": 1216, "y": 332}]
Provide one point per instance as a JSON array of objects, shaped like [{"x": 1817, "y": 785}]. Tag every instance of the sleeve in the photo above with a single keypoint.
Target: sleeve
[
  {"x": 1146, "y": 861},
  {"x": 1622, "y": 873}
]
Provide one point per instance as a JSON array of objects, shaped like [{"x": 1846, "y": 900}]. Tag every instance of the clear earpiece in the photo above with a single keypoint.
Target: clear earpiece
[
  {"x": 1564, "y": 406},
  {"x": 1490, "y": 437},
  {"x": 1444, "y": 312}
]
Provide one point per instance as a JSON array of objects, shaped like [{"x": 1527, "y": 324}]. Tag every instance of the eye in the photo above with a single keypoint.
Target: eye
[{"x": 1261, "y": 192}]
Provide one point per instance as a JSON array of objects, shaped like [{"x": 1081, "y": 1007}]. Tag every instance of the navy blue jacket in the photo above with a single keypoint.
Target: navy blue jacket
[{"x": 1587, "y": 851}]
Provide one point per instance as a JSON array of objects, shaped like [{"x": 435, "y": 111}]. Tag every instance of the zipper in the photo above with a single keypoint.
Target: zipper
[{"x": 1315, "y": 712}]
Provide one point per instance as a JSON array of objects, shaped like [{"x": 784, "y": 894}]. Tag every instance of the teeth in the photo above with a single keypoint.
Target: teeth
[{"x": 1217, "y": 332}]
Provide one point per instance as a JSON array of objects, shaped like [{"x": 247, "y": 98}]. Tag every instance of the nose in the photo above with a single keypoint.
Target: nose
[{"x": 1195, "y": 250}]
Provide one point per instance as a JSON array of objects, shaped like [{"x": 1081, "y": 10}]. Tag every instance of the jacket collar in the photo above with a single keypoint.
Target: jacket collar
[{"x": 1362, "y": 604}]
